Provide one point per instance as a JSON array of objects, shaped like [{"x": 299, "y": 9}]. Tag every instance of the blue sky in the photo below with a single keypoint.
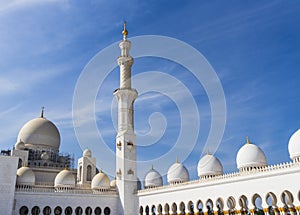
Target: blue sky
[{"x": 253, "y": 47}]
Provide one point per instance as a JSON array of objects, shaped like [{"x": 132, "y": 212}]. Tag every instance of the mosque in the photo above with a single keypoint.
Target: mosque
[{"x": 37, "y": 179}]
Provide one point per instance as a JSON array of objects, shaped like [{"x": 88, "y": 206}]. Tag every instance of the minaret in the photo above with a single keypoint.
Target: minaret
[{"x": 126, "y": 171}]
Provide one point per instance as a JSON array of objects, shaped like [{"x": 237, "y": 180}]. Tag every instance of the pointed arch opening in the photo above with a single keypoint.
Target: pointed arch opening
[
  {"x": 243, "y": 202},
  {"x": 220, "y": 206},
  {"x": 190, "y": 208},
  {"x": 231, "y": 204}
]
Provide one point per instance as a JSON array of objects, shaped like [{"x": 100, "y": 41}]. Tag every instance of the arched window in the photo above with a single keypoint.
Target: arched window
[
  {"x": 174, "y": 208},
  {"x": 107, "y": 211},
  {"x": 58, "y": 210},
  {"x": 153, "y": 210},
  {"x": 23, "y": 210},
  {"x": 47, "y": 210},
  {"x": 243, "y": 202},
  {"x": 220, "y": 206},
  {"x": 20, "y": 163},
  {"x": 141, "y": 210},
  {"x": 89, "y": 173},
  {"x": 257, "y": 202},
  {"x": 209, "y": 207},
  {"x": 190, "y": 208},
  {"x": 78, "y": 211},
  {"x": 68, "y": 210},
  {"x": 159, "y": 209},
  {"x": 147, "y": 210},
  {"x": 88, "y": 211},
  {"x": 35, "y": 210},
  {"x": 182, "y": 208},
  {"x": 97, "y": 211},
  {"x": 167, "y": 208},
  {"x": 231, "y": 205},
  {"x": 80, "y": 172},
  {"x": 200, "y": 207}
]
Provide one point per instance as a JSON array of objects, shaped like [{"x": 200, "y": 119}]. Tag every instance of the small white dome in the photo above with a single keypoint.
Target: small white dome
[
  {"x": 209, "y": 165},
  {"x": 250, "y": 156},
  {"x": 177, "y": 173},
  {"x": 40, "y": 133},
  {"x": 113, "y": 183},
  {"x": 20, "y": 145},
  {"x": 294, "y": 145},
  {"x": 25, "y": 176},
  {"x": 153, "y": 179},
  {"x": 100, "y": 181},
  {"x": 64, "y": 178},
  {"x": 87, "y": 153}
]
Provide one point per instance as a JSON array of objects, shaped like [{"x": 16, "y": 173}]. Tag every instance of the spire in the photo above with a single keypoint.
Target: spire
[
  {"x": 42, "y": 112},
  {"x": 125, "y": 32},
  {"x": 152, "y": 168},
  {"x": 247, "y": 140},
  {"x": 125, "y": 61},
  {"x": 177, "y": 160}
]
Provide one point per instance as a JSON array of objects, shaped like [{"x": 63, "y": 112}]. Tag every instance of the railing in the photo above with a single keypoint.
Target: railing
[
  {"x": 35, "y": 189},
  {"x": 48, "y": 187}
]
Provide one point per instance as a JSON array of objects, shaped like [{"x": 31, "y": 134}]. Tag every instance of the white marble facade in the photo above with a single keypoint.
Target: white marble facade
[{"x": 37, "y": 179}]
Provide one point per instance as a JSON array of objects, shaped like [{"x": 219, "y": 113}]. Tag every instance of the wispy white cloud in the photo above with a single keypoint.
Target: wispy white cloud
[
  {"x": 29, "y": 78},
  {"x": 7, "y": 86},
  {"x": 11, "y": 5},
  {"x": 9, "y": 110}
]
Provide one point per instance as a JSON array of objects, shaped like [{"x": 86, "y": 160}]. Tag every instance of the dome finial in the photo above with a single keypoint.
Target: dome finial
[
  {"x": 177, "y": 160},
  {"x": 247, "y": 140},
  {"x": 42, "y": 112},
  {"x": 152, "y": 168},
  {"x": 125, "y": 32}
]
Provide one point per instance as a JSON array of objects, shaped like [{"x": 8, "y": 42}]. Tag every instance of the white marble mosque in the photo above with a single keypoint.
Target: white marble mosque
[{"x": 37, "y": 179}]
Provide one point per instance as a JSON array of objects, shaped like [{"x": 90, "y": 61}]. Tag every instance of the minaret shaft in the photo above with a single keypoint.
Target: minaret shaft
[{"x": 126, "y": 171}]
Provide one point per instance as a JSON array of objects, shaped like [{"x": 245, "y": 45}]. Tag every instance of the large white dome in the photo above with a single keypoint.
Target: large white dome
[
  {"x": 294, "y": 145},
  {"x": 209, "y": 165},
  {"x": 40, "y": 133},
  {"x": 250, "y": 156},
  {"x": 64, "y": 178},
  {"x": 100, "y": 181},
  {"x": 177, "y": 173},
  {"x": 25, "y": 176},
  {"x": 153, "y": 179}
]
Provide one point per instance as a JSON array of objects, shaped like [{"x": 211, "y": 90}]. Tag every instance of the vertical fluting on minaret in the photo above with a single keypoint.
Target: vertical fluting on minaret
[{"x": 126, "y": 174}]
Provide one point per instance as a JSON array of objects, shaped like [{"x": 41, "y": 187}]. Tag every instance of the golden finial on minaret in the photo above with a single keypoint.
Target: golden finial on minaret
[
  {"x": 247, "y": 140},
  {"x": 125, "y": 32},
  {"x": 42, "y": 113}
]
